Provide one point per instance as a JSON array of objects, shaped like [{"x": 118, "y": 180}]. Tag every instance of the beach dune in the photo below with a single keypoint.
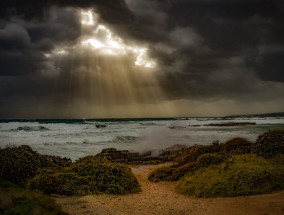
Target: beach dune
[{"x": 161, "y": 198}]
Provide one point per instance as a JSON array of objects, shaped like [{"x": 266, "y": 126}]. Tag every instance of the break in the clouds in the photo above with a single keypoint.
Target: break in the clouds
[{"x": 130, "y": 58}]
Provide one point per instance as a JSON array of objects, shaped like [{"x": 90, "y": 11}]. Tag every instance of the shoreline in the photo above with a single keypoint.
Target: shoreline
[{"x": 161, "y": 198}]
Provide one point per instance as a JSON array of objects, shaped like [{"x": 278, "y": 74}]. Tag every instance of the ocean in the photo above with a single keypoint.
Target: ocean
[{"x": 75, "y": 138}]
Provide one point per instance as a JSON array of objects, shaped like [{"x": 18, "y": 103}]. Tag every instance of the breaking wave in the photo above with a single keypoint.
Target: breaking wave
[
  {"x": 123, "y": 139},
  {"x": 31, "y": 128}
]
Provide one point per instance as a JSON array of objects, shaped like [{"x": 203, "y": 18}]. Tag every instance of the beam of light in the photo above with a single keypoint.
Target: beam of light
[{"x": 105, "y": 75}]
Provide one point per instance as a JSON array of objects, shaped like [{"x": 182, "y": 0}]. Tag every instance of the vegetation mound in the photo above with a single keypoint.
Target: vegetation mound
[
  {"x": 270, "y": 144},
  {"x": 190, "y": 159},
  {"x": 18, "y": 164},
  {"x": 50, "y": 174},
  {"x": 15, "y": 200},
  {"x": 236, "y": 167},
  {"x": 89, "y": 175},
  {"x": 191, "y": 154},
  {"x": 239, "y": 175},
  {"x": 175, "y": 172}
]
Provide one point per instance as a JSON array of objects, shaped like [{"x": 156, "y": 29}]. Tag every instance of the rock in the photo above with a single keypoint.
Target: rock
[{"x": 124, "y": 156}]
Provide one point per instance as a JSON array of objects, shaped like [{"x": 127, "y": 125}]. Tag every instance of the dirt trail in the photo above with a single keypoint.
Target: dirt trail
[{"x": 161, "y": 198}]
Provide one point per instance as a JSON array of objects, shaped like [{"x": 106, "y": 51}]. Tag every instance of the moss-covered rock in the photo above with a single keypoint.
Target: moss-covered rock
[
  {"x": 270, "y": 144},
  {"x": 90, "y": 175}
]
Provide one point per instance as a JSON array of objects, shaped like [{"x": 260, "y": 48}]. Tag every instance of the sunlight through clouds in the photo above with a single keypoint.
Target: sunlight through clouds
[
  {"x": 108, "y": 71},
  {"x": 103, "y": 41},
  {"x": 87, "y": 17},
  {"x": 99, "y": 38}
]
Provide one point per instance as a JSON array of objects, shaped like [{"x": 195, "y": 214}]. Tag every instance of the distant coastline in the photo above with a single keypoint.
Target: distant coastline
[{"x": 78, "y": 120}]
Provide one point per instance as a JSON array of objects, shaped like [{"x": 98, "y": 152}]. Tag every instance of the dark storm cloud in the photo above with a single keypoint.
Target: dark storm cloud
[
  {"x": 271, "y": 66},
  {"x": 205, "y": 49},
  {"x": 111, "y": 10},
  {"x": 215, "y": 48},
  {"x": 29, "y": 28},
  {"x": 23, "y": 43}
]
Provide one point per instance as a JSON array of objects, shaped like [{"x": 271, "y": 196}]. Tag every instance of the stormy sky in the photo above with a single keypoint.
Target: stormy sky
[{"x": 140, "y": 58}]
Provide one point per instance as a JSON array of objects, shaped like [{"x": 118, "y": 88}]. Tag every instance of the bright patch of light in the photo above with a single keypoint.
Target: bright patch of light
[
  {"x": 47, "y": 55},
  {"x": 87, "y": 18},
  {"x": 61, "y": 52},
  {"x": 93, "y": 43},
  {"x": 99, "y": 38},
  {"x": 104, "y": 42}
]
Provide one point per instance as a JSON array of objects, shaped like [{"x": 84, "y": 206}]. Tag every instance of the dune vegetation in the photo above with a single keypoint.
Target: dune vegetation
[
  {"x": 236, "y": 167},
  {"x": 239, "y": 175},
  {"x": 89, "y": 175},
  {"x": 54, "y": 175},
  {"x": 16, "y": 200}
]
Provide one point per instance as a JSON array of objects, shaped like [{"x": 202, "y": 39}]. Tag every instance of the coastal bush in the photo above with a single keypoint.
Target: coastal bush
[
  {"x": 17, "y": 201},
  {"x": 192, "y": 154},
  {"x": 175, "y": 172},
  {"x": 210, "y": 159},
  {"x": 18, "y": 164},
  {"x": 245, "y": 174},
  {"x": 89, "y": 175},
  {"x": 172, "y": 173},
  {"x": 237, "y": 145},
  {"x": 161, "y": 174},
  {"x": 182, "y": 170},
  {"x": 270, "y": 144}
]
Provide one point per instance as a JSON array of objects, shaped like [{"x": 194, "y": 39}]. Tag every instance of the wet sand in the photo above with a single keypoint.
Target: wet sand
[{"x": 161, "y": 198}]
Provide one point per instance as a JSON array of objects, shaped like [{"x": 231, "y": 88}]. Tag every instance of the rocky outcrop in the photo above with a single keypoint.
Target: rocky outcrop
[{"x": 127, "y": 157}]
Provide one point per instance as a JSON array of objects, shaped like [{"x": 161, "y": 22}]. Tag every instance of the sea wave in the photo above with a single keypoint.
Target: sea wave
[
  {"x": 151, "y": 124},
  {"x": 123, "y": 139},
  {"x": 31, "y": 128}
]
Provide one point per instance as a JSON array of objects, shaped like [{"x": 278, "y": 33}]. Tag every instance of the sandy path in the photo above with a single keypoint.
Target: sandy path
[{"x": 160, "y": 198}]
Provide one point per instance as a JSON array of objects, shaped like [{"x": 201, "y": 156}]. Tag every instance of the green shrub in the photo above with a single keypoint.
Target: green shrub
[
  {"x": 89, "y": 175},
  {"x": 237, "y": 145},
  {"x": 240, "y": 175},
  {"x": 192, "y": 154},
  {"x": 175, "y": 172},
  {"x": 161, "y": 174},
  {"x": 210, "y": 159},
  {"x": 171, "y": 173},
  {"x": 179, "y": 172},
  {"x": 18, "y": 201},
  {"x": 270, "y": 144},
  {"x": 18, "y": 164}
]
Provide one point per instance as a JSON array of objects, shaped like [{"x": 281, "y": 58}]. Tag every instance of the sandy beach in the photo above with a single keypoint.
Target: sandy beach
[{"x": 161, "y": 198}]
